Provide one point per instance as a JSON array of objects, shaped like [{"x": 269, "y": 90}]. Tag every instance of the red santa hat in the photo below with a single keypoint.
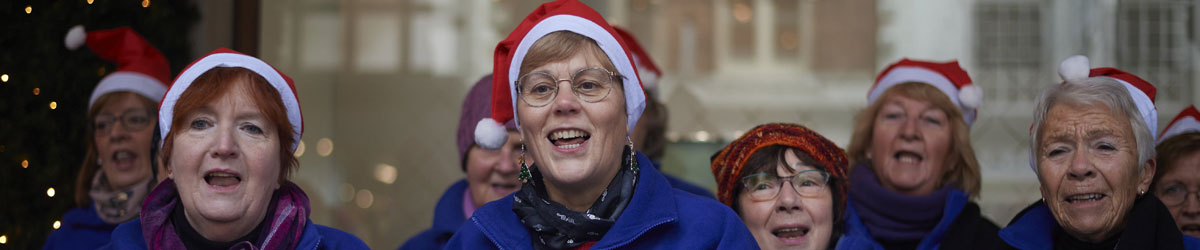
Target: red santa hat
[
  {"x": 948, "y": 77},
  {"x": 141, "y": 68},
  {"x": 645, "y": 66},
  {"x": 1077, "y": 68},
  {"x": 224, "y": 57},
  {"x": 1187, "y": 121},
  {"x": 561, "y": 15}
]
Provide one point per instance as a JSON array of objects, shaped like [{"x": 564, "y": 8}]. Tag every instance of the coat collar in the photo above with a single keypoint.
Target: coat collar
[
  {"x": 653, "y": 204},
  {"x": 448, "y": 214},
  {"x": 1032, "y": 229},
  {"x": 1148, "y": 225}
]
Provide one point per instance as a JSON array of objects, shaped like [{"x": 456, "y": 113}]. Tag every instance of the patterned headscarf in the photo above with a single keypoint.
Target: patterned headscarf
[{"x": 727, "y": 165}]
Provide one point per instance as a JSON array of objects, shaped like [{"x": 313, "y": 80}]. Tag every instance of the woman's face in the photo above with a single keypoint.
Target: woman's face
[
  {"x": 789, "y": 221},
  {"x": 576, "y": 144},
  {"x": 123, "y": 129},
  {"x": 492, "y": 174},
  {"x": 1087, "y": 165},
  {"x": 1182, "y": 179},
  {"x": 225, "y": 162},
  {"x": 909, "y": 145}
]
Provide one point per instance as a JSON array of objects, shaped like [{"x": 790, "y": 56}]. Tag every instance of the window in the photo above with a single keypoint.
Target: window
[{"x": 1153, "y": 42}]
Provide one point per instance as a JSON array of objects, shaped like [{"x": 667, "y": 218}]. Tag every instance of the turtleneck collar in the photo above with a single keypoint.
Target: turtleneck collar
[{"x": 894, "y": 218}]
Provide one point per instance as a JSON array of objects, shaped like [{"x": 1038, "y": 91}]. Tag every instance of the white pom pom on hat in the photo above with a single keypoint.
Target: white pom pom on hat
[
  {"x": 490, "y": 134},
  {"x": 75, "y": 37},
  {"x": 1074, "y": 68}
]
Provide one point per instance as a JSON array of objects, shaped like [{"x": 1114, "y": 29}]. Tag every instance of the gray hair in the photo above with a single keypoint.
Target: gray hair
[{"x": 1093, "y": 91}]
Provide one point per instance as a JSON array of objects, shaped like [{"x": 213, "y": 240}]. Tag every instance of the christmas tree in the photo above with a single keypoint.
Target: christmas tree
[{"x": 44, "y": 90}]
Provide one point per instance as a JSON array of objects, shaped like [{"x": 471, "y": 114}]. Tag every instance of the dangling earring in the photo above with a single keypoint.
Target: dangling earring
[
  {"x": 99, "y": 162},
  {"x": 633, "y": 162},
  {"x": 524, "y": 175}
]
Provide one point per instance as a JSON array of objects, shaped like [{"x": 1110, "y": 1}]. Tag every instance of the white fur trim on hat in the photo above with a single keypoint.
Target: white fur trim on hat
[
  {"x": 1183, "y": 125},
  {"x": 185, "y": 79},
  {"x": 635, "y": 101},
  {"x": 1074, "y": 67},
  {"x": 903, "y": 74},
  {"x": 129, "y": 81},
  {"x": 490, "y": 134},
  {"x": 1144, "y": 105},
  {"x": 75, "y": 37}
]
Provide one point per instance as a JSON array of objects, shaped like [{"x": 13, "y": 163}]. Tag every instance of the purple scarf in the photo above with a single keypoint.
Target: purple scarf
[
  {"x": 283, "y": 230},
  {"x": 893, "y": 217}
]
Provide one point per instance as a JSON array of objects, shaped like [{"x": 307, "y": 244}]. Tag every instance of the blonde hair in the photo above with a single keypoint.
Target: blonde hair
[
  {"x": 562, "y": 45},
  {"x": 964, "y": 167}
]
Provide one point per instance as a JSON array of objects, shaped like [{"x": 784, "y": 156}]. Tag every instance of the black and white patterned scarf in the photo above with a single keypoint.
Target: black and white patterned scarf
[{"x": 553, "y": 226}]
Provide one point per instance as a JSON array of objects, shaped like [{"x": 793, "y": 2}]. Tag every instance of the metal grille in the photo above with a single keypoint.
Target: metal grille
[
  {"x": 1153, "y": 42},
  {"x": 1008, "y": 48}
]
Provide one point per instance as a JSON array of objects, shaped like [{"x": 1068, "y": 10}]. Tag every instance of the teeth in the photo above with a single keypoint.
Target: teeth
[
  {"x": 220, "y": 174},
  {"x": 908, "y": 159},
  {"x": 1084, "y": 198},
  {"x": 123, "y": 155},
  {"x": 570, "y": 146},
  {"x": 567, "y": 134}
]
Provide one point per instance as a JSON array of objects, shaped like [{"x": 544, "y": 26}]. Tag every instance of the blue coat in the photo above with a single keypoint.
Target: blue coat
[
  {"x": 1147, "y": 227},
  {"x": 961, "y": 226},
  {"x": 81, "y": 228},
  {"x": 447, "y": 217},
  {"x": 657, "y": 217},
  {"x": 128, "y": 236}
]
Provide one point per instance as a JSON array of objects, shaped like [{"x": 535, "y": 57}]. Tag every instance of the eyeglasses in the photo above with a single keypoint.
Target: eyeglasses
[
  {"x": 132, "y": 121},
  {"x": 590, "y": 85},
  {"x": 764, "y": 186},
  {"x": 1175, "y": 195}
]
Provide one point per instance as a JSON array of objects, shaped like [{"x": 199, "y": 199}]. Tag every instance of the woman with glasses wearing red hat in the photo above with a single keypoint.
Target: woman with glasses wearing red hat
[
  {"x": 229, "y": 123},
  {"x": 787, "y": 183},
  {"x": 570, "y": 84},
  {"x": 117, "y": 171}
]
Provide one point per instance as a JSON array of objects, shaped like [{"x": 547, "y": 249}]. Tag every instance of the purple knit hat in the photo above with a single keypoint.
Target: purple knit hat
[{"x": 475, "y": 107}]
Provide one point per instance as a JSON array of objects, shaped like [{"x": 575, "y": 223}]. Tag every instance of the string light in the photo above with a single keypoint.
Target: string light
[
  {"x": 4, "y": 78},
  {"x": 3, "y": 239},
  {"x": 145, "y": 3},
  {"x": 57, "y": 224},
  {"x": 90, "y": 1},
  {"x": 53, "y": 105},
  {"x": 37, "y": 91},
  {"x": 28, "y": 9},
  {"x": 50, "y": 192},
  {"x": 24, "y": 163}
]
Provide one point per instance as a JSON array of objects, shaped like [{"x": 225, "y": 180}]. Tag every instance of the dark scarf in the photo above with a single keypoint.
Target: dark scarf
[
  {"x": 283, "y": 226},
  {"x": 553, "y": 226},
  {"x": 1149, "y": 225},
  {"x": 892, "y": 218},
  {"x": 117, "y": 206}
]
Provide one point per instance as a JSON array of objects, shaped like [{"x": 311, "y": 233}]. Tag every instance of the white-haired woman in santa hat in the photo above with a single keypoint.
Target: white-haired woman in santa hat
[
  {"x": 1092, "y": 147},
  {"x": 913, "y": 172},
  {"x": 572, "y": 86},
  {"x": 117, "y": 171},
  {"x": 1178, "y": 177},
  {"x": 229, "y": 124}
]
